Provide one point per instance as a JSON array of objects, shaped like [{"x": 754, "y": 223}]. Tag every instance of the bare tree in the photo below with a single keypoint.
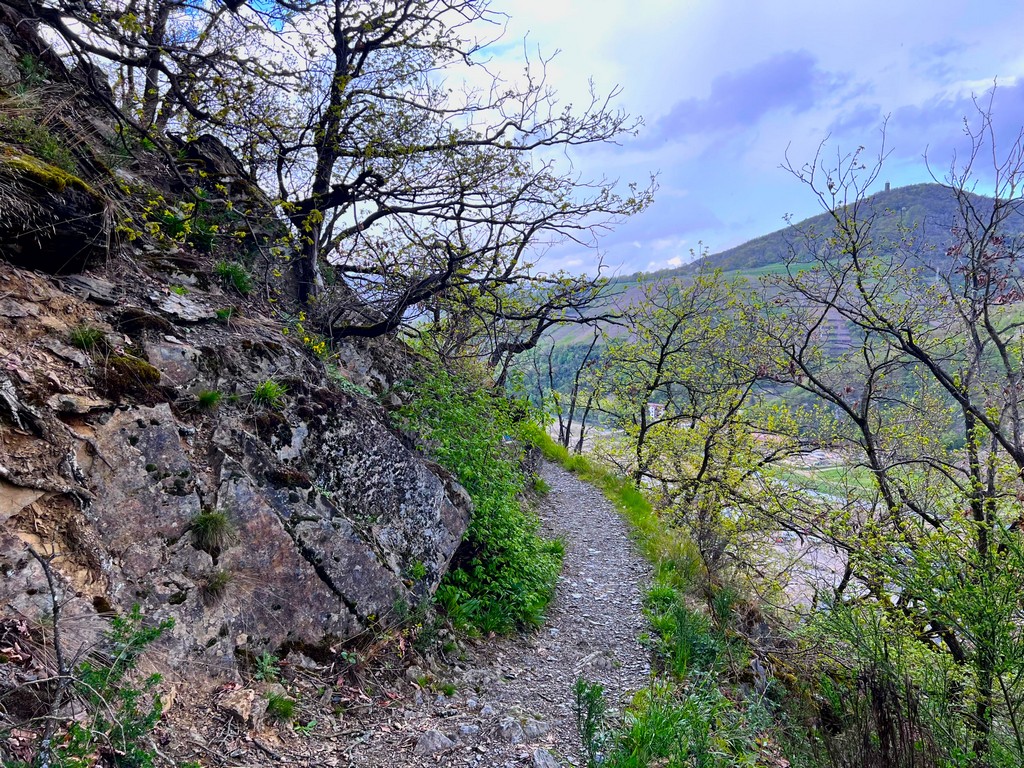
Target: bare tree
[{"x": 927, "y": 400}]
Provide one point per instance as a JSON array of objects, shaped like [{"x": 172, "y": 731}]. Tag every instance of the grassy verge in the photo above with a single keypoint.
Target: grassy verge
[
  {"x": 711, "y": 704},
  {"x": 503, "y": 575}
]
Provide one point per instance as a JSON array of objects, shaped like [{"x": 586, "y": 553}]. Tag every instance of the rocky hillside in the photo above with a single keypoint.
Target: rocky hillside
[{"x": 169, "y": 437}]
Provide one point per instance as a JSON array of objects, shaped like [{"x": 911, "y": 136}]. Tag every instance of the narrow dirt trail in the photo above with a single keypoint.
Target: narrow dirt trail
[{"x": 513, "y": 703}]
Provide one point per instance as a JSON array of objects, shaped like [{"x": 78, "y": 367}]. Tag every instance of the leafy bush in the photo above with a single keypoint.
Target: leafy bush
[
  {"x": 503, "y": 575},
  {"x": 117, "y": 713},
  {"x": 33, "y": 72},
  {"x": 234, "y": 275}
]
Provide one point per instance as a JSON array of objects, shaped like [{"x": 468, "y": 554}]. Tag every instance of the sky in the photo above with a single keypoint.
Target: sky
[{"x": 728, "y": 89}]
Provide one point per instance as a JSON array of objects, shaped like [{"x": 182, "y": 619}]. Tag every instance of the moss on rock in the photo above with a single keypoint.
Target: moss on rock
[{"x": 45, "y": 175}]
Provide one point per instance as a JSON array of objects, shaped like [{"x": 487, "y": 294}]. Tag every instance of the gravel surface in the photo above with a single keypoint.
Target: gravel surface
[
  {"x": 513, "y": 700},
  {"x": 509, "y": 702}
]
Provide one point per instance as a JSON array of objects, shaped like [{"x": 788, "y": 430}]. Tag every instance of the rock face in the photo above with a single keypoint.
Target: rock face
[
  {"x": 49, "y": 218},
  {"x": 108, "y": 455}
]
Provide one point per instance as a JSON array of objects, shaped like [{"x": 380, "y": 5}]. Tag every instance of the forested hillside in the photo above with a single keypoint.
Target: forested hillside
[{"x": 929, "y": 211}]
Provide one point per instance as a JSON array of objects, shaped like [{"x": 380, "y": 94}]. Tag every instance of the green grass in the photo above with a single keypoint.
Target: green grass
[
  {"x": 280, "y": 707},
  {"x": 753, "y": 274},
  {"x": 212, "y": 530},
  {"x": 209, "y": 399},
  {"x": 87, "y": 337},
  {"x": 838, "y": 481},
  {"x": 270, "y": 394},
  {"x": 26, "y": 129},
  {"x": 214, "y": 585}
]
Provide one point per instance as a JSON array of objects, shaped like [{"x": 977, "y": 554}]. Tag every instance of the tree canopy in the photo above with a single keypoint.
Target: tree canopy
[{"x": 417, "y": 181}]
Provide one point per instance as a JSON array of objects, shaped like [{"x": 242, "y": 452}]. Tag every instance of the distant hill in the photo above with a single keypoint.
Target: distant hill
[{"x": 927, "y": 209}]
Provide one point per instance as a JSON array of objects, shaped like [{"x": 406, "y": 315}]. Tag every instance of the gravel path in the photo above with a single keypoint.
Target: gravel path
[{"x": 513, "y": 700}]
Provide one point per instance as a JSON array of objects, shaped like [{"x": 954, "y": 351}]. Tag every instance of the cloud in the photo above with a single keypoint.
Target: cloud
[
  {"x": 786, "y": 81},
  {"x": 938, "y": 127}
]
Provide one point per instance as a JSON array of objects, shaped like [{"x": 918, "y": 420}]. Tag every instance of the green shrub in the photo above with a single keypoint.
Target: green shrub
[
  {"x": 503, "y": 575},
  {"x": 270, "y": 394},
  {"x": 280, "y": 707},
  {"x": 589, "y": 709},
  {"x": 212, "y": 530},
  {"x": 117, "y": 713},
  {"x": 266, "y": 668},
  {"x": 224, "y": 314},
  {"x": 234, "y": 275},
  {"x": 209, "y": 398},
  {"x": 33, "y": 72}
]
